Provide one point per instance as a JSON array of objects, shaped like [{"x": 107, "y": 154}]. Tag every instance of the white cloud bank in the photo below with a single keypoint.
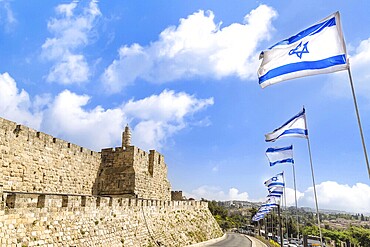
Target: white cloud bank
[
  {"x": 196, "y": 47},
  {"x": 216, "y": 193},
  {"x": 16, "y": 104},
  {"x": 331, "y": 195},
  {"x": 162, "y": 115},
  {"x": 359, "y": 57},
  {"x": 154, "y": 119},
  {"x": 71, "y": 33}
]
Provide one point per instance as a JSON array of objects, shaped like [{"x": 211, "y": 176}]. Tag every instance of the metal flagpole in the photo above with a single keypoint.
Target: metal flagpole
[
  {"x": 280, "y": 228},
  {"x": 358, "y": 118},
  {"x": 272, "y": 223},
  {"x": 296, "y": 203},
  {"x": 259, "y": 228},
  {"x": 313, "y": 182},
  {"x": 265, "y": 220},
  {"x": 286, "y": 213}
]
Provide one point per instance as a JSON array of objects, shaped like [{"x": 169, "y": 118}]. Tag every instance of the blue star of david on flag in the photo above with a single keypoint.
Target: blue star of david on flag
[
  {"x": 298, "y": 52},
  {"x": 276, "y": 181},
  {"x": 326, "y": 53}
]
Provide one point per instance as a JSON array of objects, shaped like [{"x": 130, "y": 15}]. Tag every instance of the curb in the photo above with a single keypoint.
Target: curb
[
  {"x": 256, "y": 242},
  {"x": 215, "y": 240}
]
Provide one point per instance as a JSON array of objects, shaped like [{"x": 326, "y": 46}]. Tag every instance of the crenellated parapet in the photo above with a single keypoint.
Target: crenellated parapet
[
  {"x": 132, "y": 172},
  {"x": 33, "y": 161},
  {"x": 31, "y": 219},
  {"x": 53, "y": 202},
  {"x": 55, "y": 193}
]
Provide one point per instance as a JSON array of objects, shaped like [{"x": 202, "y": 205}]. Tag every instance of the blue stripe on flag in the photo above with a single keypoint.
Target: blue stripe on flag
[
  {"x": 276, "y": 192},
  {"x": 299, "y": 114},
  {"x": 290, "y": 160},
  {"x": 274, "y": 196},
  {"x": 276, "y": 184},
  {"x": 271, "y": 150},
  {"x": 309, "y": 31},
  {"x": 269, "y": 204},
  {"x": 307, "y": 65},
  {"x": 291, "y": 131}
]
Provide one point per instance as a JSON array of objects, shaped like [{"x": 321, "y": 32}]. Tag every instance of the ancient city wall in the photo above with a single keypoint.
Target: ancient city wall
[
  {"x": 151, "y": 180},
  {"x": 54, "y": 193},
  {"x": 50, "y": 220},
  {"x": 33, "y": 161},
  {"x": 132, "y": 172}
]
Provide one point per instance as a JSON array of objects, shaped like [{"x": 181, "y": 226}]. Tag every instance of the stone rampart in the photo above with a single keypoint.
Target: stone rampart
[
  {"x": 132, "y": 172},
  {"x": 33, "y": 161},
  {"x": 55, "y": 193},
  {"x": 60, "y": 220}
]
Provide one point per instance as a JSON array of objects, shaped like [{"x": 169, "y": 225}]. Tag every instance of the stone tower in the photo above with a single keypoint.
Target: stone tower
[{"x": 126, "y": 137}]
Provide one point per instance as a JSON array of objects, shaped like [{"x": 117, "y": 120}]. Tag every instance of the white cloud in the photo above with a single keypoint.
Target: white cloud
[
  {"x": 196, "y": 47},
  {"x": 96, "y": 128},
  {"x": 71, "y": 33},
  {"x": 161, "y": 116},
  {"x": 216, "y": 193},
  {"x": 339, "y": 85},
  {"x": 331, "y": 195},
  {"x": 290, "y": 196},
  {"x": 154, "y": 119},
  {"x": 335, "y": 196},
  {"x": 16, "y": 105},
  {"x": 73, "y": 68},
  {"x": 7, "y": 19}
]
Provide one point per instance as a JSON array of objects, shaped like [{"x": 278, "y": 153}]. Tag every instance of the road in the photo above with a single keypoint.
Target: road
[{"x": 233, "y": 240}]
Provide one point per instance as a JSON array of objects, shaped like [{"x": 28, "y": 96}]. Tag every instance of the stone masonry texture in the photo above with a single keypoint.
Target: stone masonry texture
[{"x": 55, "y": 193}]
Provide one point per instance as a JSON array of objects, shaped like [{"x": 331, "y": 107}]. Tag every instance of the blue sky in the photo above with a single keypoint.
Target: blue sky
[{"x": 183, "y": 75}]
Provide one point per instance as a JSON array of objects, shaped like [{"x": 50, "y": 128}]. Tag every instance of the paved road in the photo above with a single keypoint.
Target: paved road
[{"x": 233, "y": 240}]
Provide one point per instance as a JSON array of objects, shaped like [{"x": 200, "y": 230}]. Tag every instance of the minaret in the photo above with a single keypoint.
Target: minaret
[{"x": 126, "y": 137}]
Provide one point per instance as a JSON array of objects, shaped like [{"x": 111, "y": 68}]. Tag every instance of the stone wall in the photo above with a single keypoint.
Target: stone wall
[
  {"x": 176, "y": 196},
  {"x": 54, "y": 193},
  {"x": 53, "y": 220},
  {"x": 133, "y": 172},
  {"x": 33, "y": 161}
]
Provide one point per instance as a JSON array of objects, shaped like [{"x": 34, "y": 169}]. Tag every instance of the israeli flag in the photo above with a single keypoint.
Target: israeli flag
[
  {"x": 271, "y": 202},
  {"x": 264, "y": 210},
  {"x": 276, "y": 181},
  {"x": 318, "y": 49},
  {"x": 294, "y": 127},
  {"x": 258, "y": 217},
  {"x": 275, "y": 191},
  {"x": 279, "y": 155}
]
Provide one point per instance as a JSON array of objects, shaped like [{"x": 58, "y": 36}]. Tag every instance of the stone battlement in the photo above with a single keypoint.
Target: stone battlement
[
  {"x": 33, "y": 161},
  {"x": 53, "y": 202},
  {"x": 70, "y": 220},
  {"x": 55, "y": 193},
  {"x": 23, "y": 133}
]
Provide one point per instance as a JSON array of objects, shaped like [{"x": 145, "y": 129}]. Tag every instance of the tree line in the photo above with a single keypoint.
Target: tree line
[{"x": 234, "y": 217}]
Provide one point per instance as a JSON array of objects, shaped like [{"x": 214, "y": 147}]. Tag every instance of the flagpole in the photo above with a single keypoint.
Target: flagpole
[
  {"x": 313, "y": 182},
  {"x": 266, "y": 222},
  {"x": 286, "y": 214},
  {"x": 358, "y": 119},
  {"x": 272, "y": 223},
  {"x": 280, "y": 227},
  {"x": 296, "y": 203}
]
